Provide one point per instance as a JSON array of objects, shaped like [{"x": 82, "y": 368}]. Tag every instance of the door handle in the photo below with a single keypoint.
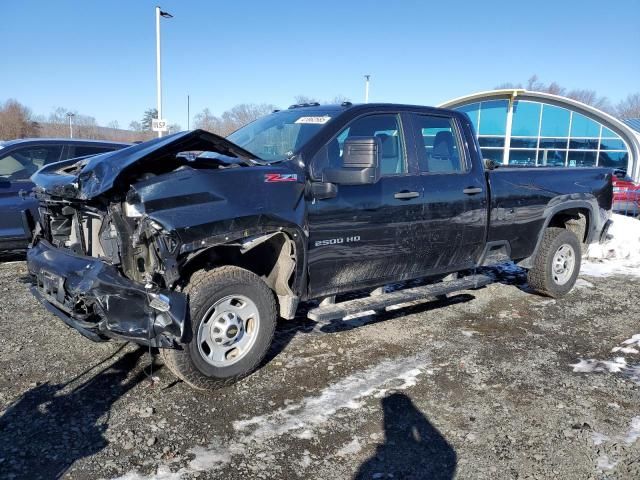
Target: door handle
[
  {"x": 404, "y": 195},
  {"x": 472, "y": 190}
]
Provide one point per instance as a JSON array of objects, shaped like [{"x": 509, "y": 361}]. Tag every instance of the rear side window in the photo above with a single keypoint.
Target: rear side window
[
  {"x": 21, "y": 163},
  {"x": 387, "y": 128},
  {"x": 82, "y": 150},
  {"x": 440, "y": 152}
]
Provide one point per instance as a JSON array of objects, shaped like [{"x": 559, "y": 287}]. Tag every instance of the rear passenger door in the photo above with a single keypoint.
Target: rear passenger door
[
  {"x": 364, "y": 234},
  {"x": 455, "y": 198}
]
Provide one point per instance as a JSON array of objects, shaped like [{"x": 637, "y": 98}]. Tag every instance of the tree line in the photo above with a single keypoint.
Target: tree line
[
  {"x": 627, "y": 108},
  {"x": 18, "y": 121}
]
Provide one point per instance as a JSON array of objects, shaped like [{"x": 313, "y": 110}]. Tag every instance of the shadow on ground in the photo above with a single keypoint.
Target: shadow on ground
[
  {"x": 288, "y": 329},
  {"x": 52, "y": 426},
  {"x": 413, "y": 448},
  {"x": 13, "y": 256}
]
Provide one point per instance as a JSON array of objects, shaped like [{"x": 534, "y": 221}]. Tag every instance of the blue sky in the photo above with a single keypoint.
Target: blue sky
[{"x": 99, "y": 57}]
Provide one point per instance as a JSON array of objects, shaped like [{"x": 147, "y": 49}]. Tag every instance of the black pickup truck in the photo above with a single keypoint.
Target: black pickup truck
[{"x": 195, "y": 244}]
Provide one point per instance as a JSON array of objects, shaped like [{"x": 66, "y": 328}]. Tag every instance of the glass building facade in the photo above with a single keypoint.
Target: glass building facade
[{"x": 535, "y": 133}]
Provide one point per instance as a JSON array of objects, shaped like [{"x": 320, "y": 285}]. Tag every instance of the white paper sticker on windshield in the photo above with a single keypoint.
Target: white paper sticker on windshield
[{"x": 315, "y": 120}]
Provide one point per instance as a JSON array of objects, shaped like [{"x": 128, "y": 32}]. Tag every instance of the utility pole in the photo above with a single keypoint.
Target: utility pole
[
  {"x": 188, "y": 113},
  {"x": 366, "y": 88},
  {"x": 159, "y": 13},
  {"x": 70, "y": 115}
]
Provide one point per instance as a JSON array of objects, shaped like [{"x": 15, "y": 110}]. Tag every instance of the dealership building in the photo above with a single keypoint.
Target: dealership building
[{"x": 519, "y": 127}]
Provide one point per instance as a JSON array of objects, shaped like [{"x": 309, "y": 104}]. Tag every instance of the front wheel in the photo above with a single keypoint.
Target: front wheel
[
  {"x": 233, "y": 318},
  {"x": 557, "y": 263}
]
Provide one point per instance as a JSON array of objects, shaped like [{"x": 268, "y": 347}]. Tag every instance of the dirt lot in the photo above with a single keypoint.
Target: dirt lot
[{"x": 479, "y": 387}]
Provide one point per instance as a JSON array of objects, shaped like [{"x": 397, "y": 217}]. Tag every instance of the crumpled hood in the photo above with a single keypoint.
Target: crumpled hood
[{"x": 89, "y": 177}]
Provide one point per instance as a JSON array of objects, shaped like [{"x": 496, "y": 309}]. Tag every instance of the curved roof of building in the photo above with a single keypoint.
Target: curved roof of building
[{"x": 628, "y": 134}]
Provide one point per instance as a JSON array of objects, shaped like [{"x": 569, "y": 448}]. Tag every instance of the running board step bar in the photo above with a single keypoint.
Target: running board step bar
[{"x": 333, "y": 311}]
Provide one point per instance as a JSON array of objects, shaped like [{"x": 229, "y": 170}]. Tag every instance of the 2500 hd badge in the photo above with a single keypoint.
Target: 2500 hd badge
[{"x": 336, "y": 241}]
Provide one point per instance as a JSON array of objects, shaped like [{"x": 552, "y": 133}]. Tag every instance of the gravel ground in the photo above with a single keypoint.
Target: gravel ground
[{"x": 480, "y": 386}]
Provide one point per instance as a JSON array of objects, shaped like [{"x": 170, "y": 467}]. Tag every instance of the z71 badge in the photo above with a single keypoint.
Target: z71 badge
[{"x": 280, "y": 177}]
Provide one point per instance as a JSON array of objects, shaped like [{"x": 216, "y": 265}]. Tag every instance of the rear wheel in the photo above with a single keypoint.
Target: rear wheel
[
  {"x": 233, "y": 317},
  {"x": 557, "y": 263}
]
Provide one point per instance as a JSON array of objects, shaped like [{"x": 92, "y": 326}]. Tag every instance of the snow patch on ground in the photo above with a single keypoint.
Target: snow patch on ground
[
  {"x": 582, "y": 283},
  {"x": 634, "y": 431},
  {"x": 620, "y": 254},
  {"x": 617, "y": 365},
  {"x": 349, "y": 393},
  {"x": 205, "y": 459},
  {"x": 600, "y": 366},
  {"x": 300, "y": 419},
  {"x": 632, "y": 435},
  {"x": 350, "y": 448},
  {"x": 605, "y": 464}
]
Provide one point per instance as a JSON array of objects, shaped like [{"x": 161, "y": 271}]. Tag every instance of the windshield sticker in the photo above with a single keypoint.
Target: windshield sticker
[
  {"x": 280, "y": 177},
  {"x": 314, "y": 120}
]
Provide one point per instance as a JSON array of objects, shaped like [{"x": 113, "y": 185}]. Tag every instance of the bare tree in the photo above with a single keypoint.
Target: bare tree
[
  {"x": 207, "y": 121},
  {"x": 590, "y": 97},
  {"x": 629, "y": 107},
  {"x": 534, "y": 84},
  {"x": 508, "y": 85},
  {"x": 242, "y": 114},
  {"x": 232, "y": 119},
  {"x": 338, "y": 99},
  {"x": 300, "y": 99},
  {"x": 16, "y": 121}
]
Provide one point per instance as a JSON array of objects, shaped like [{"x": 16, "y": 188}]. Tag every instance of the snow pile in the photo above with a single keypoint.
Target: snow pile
[{"x": 620, "y": 254}]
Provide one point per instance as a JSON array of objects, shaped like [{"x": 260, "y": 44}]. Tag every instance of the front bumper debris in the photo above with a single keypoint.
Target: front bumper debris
[{"x": 95, "y": 299}]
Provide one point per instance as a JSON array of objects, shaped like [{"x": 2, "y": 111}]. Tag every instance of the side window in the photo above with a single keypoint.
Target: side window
[
  {"x": 387, "y": 127},
  {"x": 21, "y": 163},
  {"x": 82, "y": 150},
  {"x": 441, "y": 152}
]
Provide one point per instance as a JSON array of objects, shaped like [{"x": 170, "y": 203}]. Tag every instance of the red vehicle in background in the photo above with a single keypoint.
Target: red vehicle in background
[{"x": 626, "y": 194}]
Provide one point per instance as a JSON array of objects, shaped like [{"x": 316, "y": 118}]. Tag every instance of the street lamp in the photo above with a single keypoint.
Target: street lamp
[
  {"x": 70, "y": 115},
  {"x": 159, "y": 13},
  {"x": 366, "y": 88}
]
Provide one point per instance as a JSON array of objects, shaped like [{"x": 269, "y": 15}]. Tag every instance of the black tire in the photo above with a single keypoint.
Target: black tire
[
  {"x": 542, "y": 277},
  {"x": 205, "y": 289}
]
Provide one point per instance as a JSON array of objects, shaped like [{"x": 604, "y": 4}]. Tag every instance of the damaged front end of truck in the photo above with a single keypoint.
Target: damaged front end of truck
[{"x": 119, "y": 233}]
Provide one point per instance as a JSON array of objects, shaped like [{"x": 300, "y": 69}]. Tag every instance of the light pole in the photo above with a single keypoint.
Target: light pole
[
  {"x": 366, "y": 88},
  {"x": 159, "y": 13},
  {"x": 70, "y": 115}
]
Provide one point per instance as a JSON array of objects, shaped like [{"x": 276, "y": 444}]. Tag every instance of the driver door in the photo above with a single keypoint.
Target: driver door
[{"x": 359, "y": 237}]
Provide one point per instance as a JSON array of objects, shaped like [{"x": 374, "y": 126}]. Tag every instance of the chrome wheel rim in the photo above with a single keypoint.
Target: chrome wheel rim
[
  {"x": 563, "y": 264},
  {"x": 228, "y": 331}
]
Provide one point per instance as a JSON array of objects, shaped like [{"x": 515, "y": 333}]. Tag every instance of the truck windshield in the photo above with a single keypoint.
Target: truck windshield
[{"x": 277, "y": 136}]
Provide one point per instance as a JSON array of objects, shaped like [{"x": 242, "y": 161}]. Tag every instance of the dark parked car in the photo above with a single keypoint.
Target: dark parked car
[
  {"x": 198, "y": 255},
  {"x": 19, "y": 159}
]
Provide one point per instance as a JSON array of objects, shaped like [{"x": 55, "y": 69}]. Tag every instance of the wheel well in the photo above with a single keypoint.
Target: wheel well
[
  {"x": 271, "y": 256},
  {"x": 576, "y": 220}
]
